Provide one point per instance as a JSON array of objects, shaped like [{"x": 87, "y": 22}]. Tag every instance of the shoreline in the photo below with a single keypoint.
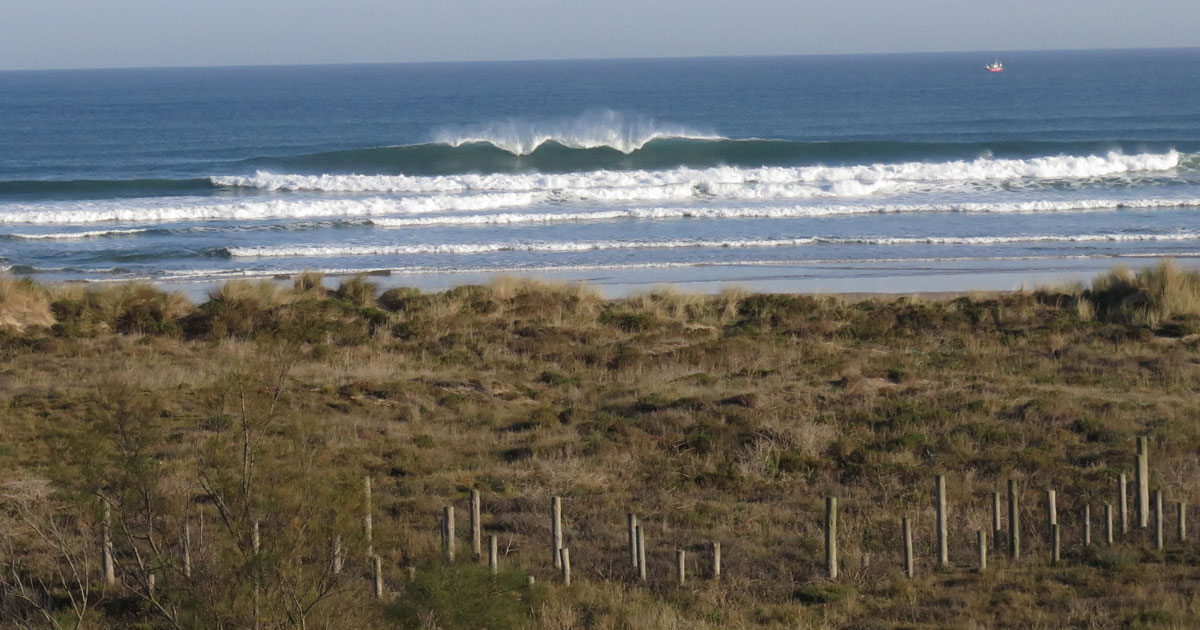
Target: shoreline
[{"x": 845, "y": 279}]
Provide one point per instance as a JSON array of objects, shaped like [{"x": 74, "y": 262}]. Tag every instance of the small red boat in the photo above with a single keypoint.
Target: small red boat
[{"x": 995, "y": 66}]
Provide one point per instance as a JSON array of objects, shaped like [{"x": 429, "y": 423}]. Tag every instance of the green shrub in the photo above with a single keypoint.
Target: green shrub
[{"x": 464, "y": 597}]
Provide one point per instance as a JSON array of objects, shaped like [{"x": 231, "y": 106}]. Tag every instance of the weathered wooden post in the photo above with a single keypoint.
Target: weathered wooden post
[
  {"x": 151, "y": 583},
  {"x": 631, "y": 521},
  {"x": 256, "y": 539},
  {"x": 906, "y": 527},
  {"x": 716, "y": 561},
  {"x": 377, "y": 565},
  {"x": 476, "y": 527},
  {"x": 1087, "y": 526},
  {"x": 556, "y": 537},
  {"x": 1014, "y": 521},
  {"x": 1123, "y": 504},
  {"x": 339, "y": 557},
  {"x": 367, "y": 523},
  {"x": 681, "y": 565},
  {"x": 106, "y": 546},
  {"x": 187, "y": 550},
  {"x": 1158, "y": 520},
  {"x": 1143, "y": 482},
  {"x": 1055, "y": 543},
  {"x": 942, "y": 533},
  {"x": 641, "y": 548},
  {"x": 981, "y": 543},
  {"x": 996, "y": 519},
  {"x": 493, "y": 555},
  {"x": 1108, "y": 524},
  {"x": 1181, "y": 524},
  {"x": 449, "y": 534},
  {"x": 831, "y": 559},
  {"x": 565, "y": 562},
  {"x": 1051, "y": 507}
]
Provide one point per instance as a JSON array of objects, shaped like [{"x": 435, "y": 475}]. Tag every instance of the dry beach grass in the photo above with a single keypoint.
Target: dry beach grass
[{"x": 713, "y": 417}]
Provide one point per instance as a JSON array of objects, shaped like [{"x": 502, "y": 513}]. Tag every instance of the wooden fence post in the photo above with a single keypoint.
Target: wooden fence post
[
  {"x": 1055, "y": 544},
  {"x": 1051, "y": 508},
  {"x": 339, "y": 559},
  {"x": 449, "y": 534},
  {"x": 565, "y": 563},
  {"x": 1181, "y": 525},
  {"x": 831, "y": 559},
  {"x": 641, "y": 547},
  {"x": 556, "y": 537},
  {"x": 1108, "y": 526},
  {"x": 493, "y": 555},
  {"x": 1087, "y": 526},
  {"x": 1143, "y": 482},
  {"x": 476, "y": 527},
  {"x": 942, "y": 531},
  {"x": 367, "y": 523},
  {"x": 1014, "y": 521},
  {"x": 716, "y": 561},
  {"x": 906, "y": 528},
  {"x": 187, "y": 550},
  {"x": 106, "y": 546},
  {"x": 631, "y": 521},
  {"x": 996, "y": 519},
  {"x": 681, "y": 565}
]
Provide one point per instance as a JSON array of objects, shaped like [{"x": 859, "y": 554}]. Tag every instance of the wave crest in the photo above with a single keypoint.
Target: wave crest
[
  {"x": 592, "y": 130},
  {"x": 311, "y": 251}
]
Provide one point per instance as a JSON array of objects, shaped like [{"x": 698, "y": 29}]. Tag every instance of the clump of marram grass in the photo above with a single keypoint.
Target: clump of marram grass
[
  {"x": 138, "y": 307},
  {"x": 238, "y": 308},
  {"x": 358, "y": 291},
  {"x": 1150, "y": 297},
  {"x": 23, "y": 305},
  {"x": 310, "y": 283}
]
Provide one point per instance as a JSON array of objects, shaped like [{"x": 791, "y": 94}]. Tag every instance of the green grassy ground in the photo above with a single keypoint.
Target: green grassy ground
[{"x": 714, "y": 418}]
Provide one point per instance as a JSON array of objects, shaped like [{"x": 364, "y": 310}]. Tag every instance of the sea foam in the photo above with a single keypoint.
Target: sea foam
[
  {"x": 981, "y": 169},
  {"x": 324, "y": 251}
]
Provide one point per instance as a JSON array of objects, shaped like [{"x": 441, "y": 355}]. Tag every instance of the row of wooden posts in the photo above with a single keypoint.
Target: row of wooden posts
[{"x": 636, "y": 534}]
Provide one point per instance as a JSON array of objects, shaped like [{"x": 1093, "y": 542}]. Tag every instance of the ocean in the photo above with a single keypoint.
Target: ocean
[{"x": 821, "y": 173}]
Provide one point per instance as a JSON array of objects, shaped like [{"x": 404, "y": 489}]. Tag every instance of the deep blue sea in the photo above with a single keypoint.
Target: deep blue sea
[{"x": 879, "y": 172}]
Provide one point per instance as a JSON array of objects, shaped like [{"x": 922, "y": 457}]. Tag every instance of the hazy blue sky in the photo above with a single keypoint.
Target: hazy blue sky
[{"x": 101, "y": 33}]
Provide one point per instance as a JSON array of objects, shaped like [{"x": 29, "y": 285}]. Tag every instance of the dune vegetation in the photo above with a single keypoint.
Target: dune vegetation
[{"x": 219, "y": 450}]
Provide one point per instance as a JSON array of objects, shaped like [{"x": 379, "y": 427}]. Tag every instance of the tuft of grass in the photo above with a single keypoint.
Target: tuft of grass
[
  {"x": 23, "y": 305},
  {"x": 238, "y": 308},
  {"x": 310, "y": 283},
  {"x": 358, "y": 291},
  {"x": 1149, "y": 297}
]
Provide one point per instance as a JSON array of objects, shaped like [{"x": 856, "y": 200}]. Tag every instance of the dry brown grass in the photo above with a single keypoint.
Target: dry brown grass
[
  {"x": 23, "y": 305},
  {"x": 723, "y": 418}
]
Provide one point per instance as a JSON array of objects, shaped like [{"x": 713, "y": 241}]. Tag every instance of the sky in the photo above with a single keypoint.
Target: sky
[{"x": 37, "y": 34}]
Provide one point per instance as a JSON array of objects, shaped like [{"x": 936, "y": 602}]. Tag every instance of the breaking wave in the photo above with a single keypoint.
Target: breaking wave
[
  {"x": 979, "y": 169},
  {"x": 592, "y": 130},
  {"x": 310, "y": 251}
]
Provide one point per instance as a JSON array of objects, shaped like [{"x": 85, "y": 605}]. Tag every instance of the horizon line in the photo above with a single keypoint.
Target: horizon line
[{"x": 582, "y": 59}]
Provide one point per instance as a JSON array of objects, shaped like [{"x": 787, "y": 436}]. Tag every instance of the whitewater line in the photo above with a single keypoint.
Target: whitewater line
[
  {"x": 310, "y": 251},
  {"x": 981, "y": 169},
  {"x": 510, "y": 218}
]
